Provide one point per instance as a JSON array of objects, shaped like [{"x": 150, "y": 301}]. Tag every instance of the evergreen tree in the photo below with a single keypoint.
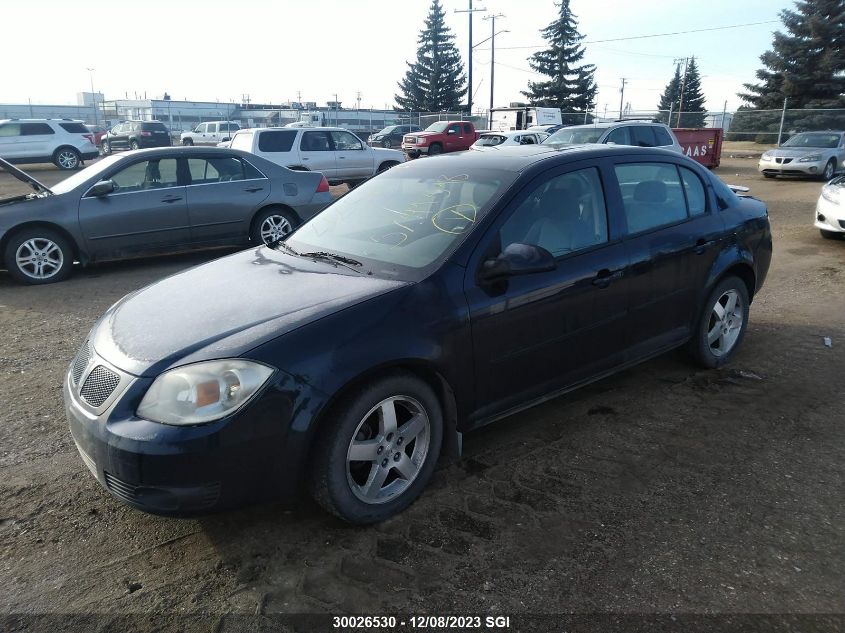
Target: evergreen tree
[
  {"x": 436, "y": 81},
  {"x": 692, "y": 110},
  {"x": 570, "y": 86},
  {"x": 807, "y": 63},
  {"x": 669, "y": 98}
]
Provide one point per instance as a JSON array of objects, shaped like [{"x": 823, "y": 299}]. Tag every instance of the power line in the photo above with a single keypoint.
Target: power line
[{"x": 641, "y": 37}]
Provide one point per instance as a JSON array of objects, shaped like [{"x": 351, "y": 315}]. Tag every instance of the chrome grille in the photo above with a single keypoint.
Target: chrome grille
[
  {"x": 99, "y": 386},
  {"x": 81, "y": 362}
]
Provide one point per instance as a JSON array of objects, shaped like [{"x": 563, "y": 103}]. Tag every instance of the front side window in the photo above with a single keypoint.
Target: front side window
[
  {"x": 345, "y": 141},
  {"x": 467, "y": 128},
  {"x": 217, "y": 169},
  {"x": 565, "y": 214},
  {"x": 651, "y": 194},
  {"x": 146, "y": 175},
  {"x": 200, "y": 129},
  {"x": 315, "y": 142},
  {"x": 455, "y": 128},
  {"x": 404, "y": 222},
  {"x": 36, "y": 129}
]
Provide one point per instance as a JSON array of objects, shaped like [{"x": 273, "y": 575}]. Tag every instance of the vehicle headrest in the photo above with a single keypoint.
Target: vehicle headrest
[{"x": 650, "y": 191}]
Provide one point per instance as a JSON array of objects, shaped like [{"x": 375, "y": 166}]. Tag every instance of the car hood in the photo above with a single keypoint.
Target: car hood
[
  {"x": 225, "y": 308},
  {"x": 24, "y": 177},
  {"x": 789, "y": 152},
  {"x": 393, "y": 154},
  {"x": 425, "y": 134}
]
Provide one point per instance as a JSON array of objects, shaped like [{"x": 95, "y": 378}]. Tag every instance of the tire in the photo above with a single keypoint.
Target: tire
[
  {"x": 67, "y": 158},
  {"x": 271, "y": 225},
  {"x": 413, "y": 155},
  {"x": 386, "y": 165},
  {"x": 829, "y": 170},
  {"x": 714, "y": 352},
  {"x": 768, "y": 175},
  {"x": 340, "y": 484},
  {"x": 435, "y": 149},
  {"x": 106, "y": 148},
  {"x": 49, "y": 256},
  {"x": 187, "y": 142},
  {"x": 133, "y": 144},
  {"x": 831, "y": 235},
  {"x": 387, "y": 144}
]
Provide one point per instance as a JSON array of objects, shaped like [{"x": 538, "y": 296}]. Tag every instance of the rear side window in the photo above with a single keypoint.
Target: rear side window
[
  {"x": 153, "y": 127},
  {"x": 651, "y": 194},
  {"x": 467, "y": 128},
  {"x": 694, "y": 191},
  {"x": 642, "y": 136},
  {"x": 74, "y": 128},
  {"x": 663, "y": 136},
  {"x": 620, "y": 136},
  {"x": 274, "y": 140},
  {"x": 216, "y": 169},
  {"x": 35, "y": 129},
  {"x": 10, "y": 129},
  {"x": 243, "y": 141},
  {"x": 229, "y": 127}
]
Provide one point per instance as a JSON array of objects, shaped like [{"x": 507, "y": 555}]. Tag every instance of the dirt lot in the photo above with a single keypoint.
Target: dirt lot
[{"x": 662, "y": 489}]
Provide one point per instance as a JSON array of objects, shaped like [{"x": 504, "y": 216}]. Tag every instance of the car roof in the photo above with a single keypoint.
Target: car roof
[
  {"x": 41, "y": 121},
  {"x": 508, "y": 132},
  {"x": 608, "y": 124}
]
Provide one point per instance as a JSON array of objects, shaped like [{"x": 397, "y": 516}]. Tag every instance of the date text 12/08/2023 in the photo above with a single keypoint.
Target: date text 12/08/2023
[{"x": 436, "y": 622}]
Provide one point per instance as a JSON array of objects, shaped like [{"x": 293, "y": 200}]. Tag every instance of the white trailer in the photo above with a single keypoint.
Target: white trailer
[{"x": 523, "y": 118}]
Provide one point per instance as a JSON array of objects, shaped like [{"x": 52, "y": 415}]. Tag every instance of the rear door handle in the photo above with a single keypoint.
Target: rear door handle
[
  {"x": 171, "y": 199},
  {"x": 253, "y": 189},
  {"x": 605, "y": 276}
]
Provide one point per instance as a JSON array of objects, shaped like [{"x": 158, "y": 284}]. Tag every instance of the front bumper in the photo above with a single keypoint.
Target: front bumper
[
  {"x": 829, "y": 216},
  {"x": 415, "y": 149},
  {"x": 792, "y": 168},
  {"x": 175, "y": 470}
]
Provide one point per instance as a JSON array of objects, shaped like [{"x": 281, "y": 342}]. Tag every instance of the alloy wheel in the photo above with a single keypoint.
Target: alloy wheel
[
  {"x": 388, "y": 449},
  {"x": 725, "y": 324},
  {"x": 274, "y": 228},
  {"x": 39, "y": 258},
  {"x": 828, "y": 171},
  {"x": 67, "y": 159}
]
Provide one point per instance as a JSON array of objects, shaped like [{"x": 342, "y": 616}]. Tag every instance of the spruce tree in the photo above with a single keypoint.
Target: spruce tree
[
  {"x": 669, "y": 98},
  {"x": 807, "y": 62},
  {"x": 570, "y": 86},
  {"x": 692, "y": 110},
  {"x": 436, "y": 81}
]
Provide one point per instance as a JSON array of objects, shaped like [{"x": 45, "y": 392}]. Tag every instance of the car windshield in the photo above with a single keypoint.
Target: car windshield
[
  {"x": 575, "y": 136},
  {"x": 405, "y": 222},
  {"x": 79, "y": 177},
  {"x": 827, "y": 141},
  {"x": 489, "y": 140},
  {"x": 437, "y": 126}
]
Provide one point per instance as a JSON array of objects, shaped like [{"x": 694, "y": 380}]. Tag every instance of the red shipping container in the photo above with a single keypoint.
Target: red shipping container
[{"x": 702, "y": 144}]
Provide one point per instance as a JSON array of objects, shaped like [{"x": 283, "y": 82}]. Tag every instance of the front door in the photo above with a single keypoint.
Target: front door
[
  {"x": 317, "y": 153},
  {"x": 455, "y": 138},
  {"x": 353, "y": 161},
  {"x": 540, "y": 332},
  {"x": 147, "y": 213}
]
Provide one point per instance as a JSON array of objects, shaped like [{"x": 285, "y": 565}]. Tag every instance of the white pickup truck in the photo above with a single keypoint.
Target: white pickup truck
[
  {"x": 337, "y": 153},
  {"x": 210, "y": 133}
]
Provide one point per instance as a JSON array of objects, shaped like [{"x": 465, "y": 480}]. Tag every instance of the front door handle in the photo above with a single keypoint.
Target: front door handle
[
  {"x": 341, "y": 157},
  {"x": 605, "y": 276},
  {"x": 253, "y": 189},
  {"x": 701, "y": 245},
  {"x": 170, "y": 199}
]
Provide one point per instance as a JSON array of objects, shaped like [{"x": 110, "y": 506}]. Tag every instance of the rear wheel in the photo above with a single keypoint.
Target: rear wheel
[
  {"x": 377, "y": 452},
  {"x": 187, "y": 142},
  {"x": 272, "y": 225},
  {"x": 39, "y": 256},
  {"x": 106, "y": 148},
  {"x": 67, "y": 158},
  {"x": 386, "y": 165},
  {"x": 435, "y": 149},
  {"x": 831, "y": 235},
  {"x": 722, "y": 324},
  {"x": 387, "y": 143}
]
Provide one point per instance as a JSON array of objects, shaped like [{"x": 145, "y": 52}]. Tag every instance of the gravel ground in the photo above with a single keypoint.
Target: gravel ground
[{"x": 662, "y": 489}]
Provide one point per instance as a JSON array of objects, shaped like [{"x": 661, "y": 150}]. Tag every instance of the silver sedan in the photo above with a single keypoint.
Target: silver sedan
[{"x": 815, "y": 154}]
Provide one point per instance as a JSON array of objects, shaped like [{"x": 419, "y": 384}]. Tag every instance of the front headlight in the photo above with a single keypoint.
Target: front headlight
[
  {"x": 378, "y": 138},
  {"x": 202, "y": 392},
  {"x": 830, "y": 194},
  {"x": 810, "y": 158},
  {"x": 767, "y": 154}
]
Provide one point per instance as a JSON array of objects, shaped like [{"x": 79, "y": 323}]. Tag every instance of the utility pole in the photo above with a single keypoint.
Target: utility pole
[
  {"x": 336, "y": 114},
  {"x": 470, "y": 11},
  {"x": 683, "y": 86},
  {"x": 93, "y": 94},
  {"x": 622, "y": 95},
  {"x": 492, "y": 19}
]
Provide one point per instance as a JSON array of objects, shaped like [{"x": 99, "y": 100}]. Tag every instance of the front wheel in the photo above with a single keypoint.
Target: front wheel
[
  {"x": 386, "y": 165},
  {"x": 272, "y": 226},
  {"x": 435, "y": 149},
  {"x": 378, "y": 450},
  {"x": 387, "y": 143},
  {"x": 67, "y": 158},
  {"x": 187, "y": 142},
  {"x": 722, "y": 323},
  {"x": 134, "y": 145},
  {"x": 106, "y": 148},
  {"x": 829, "y": 170},
  {"x": 38, "y": 256}
]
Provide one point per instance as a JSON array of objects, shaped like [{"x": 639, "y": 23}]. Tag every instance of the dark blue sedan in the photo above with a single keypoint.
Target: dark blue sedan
[{"x": 433, "y": 299}]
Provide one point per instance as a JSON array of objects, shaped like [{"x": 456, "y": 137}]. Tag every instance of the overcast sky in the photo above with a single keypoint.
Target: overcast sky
[{"x": 272, "y": 50}]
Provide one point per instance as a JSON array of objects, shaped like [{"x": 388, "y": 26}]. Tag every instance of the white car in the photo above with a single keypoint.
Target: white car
[
  {"x": 830, "y": 209},
  {"x": 511, "y": 137},
  {"x": 210, "y": 133},
  {"x": 63, "y": 142},
  {"x": 337, "y": 153},
  {"x": 624, "y": 132}
]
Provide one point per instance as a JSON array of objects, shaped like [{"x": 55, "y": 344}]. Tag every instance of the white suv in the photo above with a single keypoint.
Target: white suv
[
  {"x": 624, "y": 132},
  {"x": 337, "y": 153},
  {"x": 210, "y": 133},
  {"x": 64, "y": 142}
]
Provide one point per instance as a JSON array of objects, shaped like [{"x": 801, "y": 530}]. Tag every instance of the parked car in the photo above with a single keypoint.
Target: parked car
[
  {"x": 97, "y": 133},
  {"x": 441, "y": 137},
  {"x": 636, "y": 133},
  {"x": 152, "y": 202},
  {"x": 63, "y": 142},
  {"x": 211, "y": 133},
  {"x": 816, "y": 154},
  {"x": 548, "y": 129},
  {"x": 830, "y": 209},
  {"x": 391, "y": 136},
  {"x": 136, "y": 135},
  {"x": 431, "y": 300},
  {"x": 505, "y": 139},
  {"x": 336, "y": 153}
]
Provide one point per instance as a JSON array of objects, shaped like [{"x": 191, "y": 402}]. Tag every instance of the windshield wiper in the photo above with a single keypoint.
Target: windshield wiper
[
  {"x": 281, "y": 243},
  {"x": 333, "y": 257}
]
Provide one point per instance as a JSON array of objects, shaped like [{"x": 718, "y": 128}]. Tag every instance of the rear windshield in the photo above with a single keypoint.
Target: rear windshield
[
  {"x": 153, "y": 127},
  {"x": 575, "y": 136},
  {"x": 74, "y": 128},
  {"x": 489, "y": 140}
]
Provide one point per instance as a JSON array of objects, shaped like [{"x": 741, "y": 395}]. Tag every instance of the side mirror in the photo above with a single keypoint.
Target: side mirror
[
  {"x": 518, "y": 259},
  {"x": 451, "y": 131},
  {"x": 102, "y": 188}
]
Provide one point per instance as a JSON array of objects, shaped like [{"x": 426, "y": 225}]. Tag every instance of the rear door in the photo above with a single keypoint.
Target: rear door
[
  {"x": 37, "y": 140},
  {"x": 673, "y": 237},
  {"x": 147, "y": 213},
  {"x": 353, "y": 161},
  {"x": 10, "y": 136},
  {"x": 223, "y": 195},
  {"x": 317, "y": 152}
]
